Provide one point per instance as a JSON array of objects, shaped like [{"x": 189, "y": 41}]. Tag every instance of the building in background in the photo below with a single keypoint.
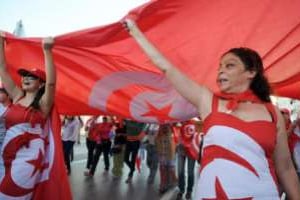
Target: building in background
[{"x": 19, "y": 29}]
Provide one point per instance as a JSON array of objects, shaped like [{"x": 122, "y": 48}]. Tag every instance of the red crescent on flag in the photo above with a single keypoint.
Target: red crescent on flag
[
  {"x": 222, "y": 153},
  {"x": 8, "y": 185}
]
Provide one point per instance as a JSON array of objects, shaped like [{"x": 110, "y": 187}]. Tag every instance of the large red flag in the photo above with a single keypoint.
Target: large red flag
[{"x": 103, "y": 70}]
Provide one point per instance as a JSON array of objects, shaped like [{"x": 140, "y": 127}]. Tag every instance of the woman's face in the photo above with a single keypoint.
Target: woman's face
[
  {"x": 232, "y": 75},
  {"x": 30, "y": 83}
]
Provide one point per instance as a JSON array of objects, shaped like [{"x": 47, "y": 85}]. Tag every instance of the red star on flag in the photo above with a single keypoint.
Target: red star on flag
[
  {"x": 161, "y": 114},
  {"x": 38, "y": 163},
  {"x": 221, "y": 194}
]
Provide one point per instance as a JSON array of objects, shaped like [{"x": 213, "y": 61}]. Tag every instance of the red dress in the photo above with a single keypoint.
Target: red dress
[
  {"x": 237, "y": 157},
  {"x": 23, "y": 152}
]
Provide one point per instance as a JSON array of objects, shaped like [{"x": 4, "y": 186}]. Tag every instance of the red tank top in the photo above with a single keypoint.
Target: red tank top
[{"x": 17, "y": 114}]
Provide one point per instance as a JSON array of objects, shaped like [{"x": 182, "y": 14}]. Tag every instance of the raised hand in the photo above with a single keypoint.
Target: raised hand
[
  {"x": 48, "y": 43},
  {"x": 131, "y": 27}
]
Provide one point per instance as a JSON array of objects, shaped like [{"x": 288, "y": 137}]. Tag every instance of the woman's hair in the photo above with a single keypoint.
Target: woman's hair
[
  {"x": 253, "y": 62},
  {"x": 36, "y": 101}
]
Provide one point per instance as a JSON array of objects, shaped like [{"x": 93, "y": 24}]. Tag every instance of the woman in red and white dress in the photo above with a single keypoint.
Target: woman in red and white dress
[
  {"x": 24, "y": 146},
  {"x": 245, "y": 147}
]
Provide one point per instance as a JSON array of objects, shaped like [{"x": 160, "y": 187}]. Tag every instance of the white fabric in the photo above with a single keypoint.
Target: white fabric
[
  {"x": 236, "y": 180},
  {"x": 22, "y": 172},
  {"x": 152, "y": 132},
  {"x": 70, "y": 130}
]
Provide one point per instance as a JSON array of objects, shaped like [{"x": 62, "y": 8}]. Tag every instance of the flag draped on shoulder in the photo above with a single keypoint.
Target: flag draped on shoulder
[
  {"x": 56, "y": 184},
  {"x": 102, "y": 69}
]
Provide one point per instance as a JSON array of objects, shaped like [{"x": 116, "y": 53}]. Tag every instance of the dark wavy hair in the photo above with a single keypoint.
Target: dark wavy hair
[
  {"x": 36, "y": 101},
  {"x": 253, "y": 62},
  {"x": 35, "y": 104}
]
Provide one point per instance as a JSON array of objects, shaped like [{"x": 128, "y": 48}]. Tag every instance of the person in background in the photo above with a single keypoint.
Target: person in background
[
  {"x": 134, "y": 134},
  {"x": 152, "y": 155},
  {"x": 294, "y": 142},
  {"x": 166, "y": 156},
  {"x": 79, "y": 128},
  {"x": 78, "y": 136},
  {"x": 91, "y": 138},
  {"x": 234, "y": 119},
  {"x": 5, "y": 101},
  {"x": 70, "y": 126},
  {"x": 103, "y": 144},
  {"x": 118, "y": 150},
  {"x": 188, "y": 129}
]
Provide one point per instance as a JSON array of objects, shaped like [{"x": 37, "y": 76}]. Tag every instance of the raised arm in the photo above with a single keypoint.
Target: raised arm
[
  {"x": 48, "y": 97},
  {"x": 198, "y": 95},
  {"x": 284, "y": 166},
  {"x": 13, "y": 90}
]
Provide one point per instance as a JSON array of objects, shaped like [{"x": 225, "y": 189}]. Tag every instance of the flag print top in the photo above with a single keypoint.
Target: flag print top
[
  {"x": 23, "y": 152},
  {"x": 237, "y": 158}
]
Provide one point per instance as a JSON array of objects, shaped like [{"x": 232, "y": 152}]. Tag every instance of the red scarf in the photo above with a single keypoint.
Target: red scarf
[{"x": 235, "y": 99}]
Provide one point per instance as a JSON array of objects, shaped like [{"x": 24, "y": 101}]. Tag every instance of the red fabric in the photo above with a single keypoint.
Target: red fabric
[
  {"x": 57, "y": 186},
  {"x": 193, "y": 34},
  {"x": 104, "y": 130},
  {"x": 234, "y": 99},
  {"x": 17, "y": 114},
  {"x": 138, "y": 162},
  {"x": 176, "y": 134},
  {"x": 36, "y": 72},
  {"x": 190, "y": 139},
  {"x": 93, "y": 132}
]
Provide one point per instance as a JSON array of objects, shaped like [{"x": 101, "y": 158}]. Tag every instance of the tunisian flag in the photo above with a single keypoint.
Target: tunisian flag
[
  {"x": 33, "y": 160},
  {"x": 102, "y": 69},
  {"x": 56, "y": 184}
]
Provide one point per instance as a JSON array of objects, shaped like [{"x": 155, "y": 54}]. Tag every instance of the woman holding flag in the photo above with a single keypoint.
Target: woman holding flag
[
  {"x": 245, "y": 153},
  {"x": 27, "y": 148}
]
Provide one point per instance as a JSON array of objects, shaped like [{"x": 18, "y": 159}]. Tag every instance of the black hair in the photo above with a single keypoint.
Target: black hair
[
  {"x": 253, "y": 62},
  {"x": 36, "y": 101}
]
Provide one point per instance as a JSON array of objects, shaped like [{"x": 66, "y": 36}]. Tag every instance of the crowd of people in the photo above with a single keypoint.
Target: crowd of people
[
  {"x": 165, "y": 148},
  {"x": 123, "y": 139},
  {"x": 245, "y": 152}
]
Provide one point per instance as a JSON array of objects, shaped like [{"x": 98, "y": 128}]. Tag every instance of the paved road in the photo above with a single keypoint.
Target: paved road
[{"x": 102, "y": 186}]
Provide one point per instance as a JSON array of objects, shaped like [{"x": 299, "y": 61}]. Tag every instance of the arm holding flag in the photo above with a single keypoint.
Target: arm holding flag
[
  {"x": 200, "y": 96},
  {"x": 48, "y": 97},
  {"x": 284, "y": 166},
  {"x": 13, "y": 90}
]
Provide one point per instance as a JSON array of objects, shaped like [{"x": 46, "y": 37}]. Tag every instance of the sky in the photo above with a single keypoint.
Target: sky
[{"x": 43, "y": 18}]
